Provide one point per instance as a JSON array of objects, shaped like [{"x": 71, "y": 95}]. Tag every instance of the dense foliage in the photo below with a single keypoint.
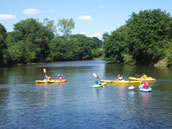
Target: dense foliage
[
  {"x": 143, "y": 40},
  {"x": 33, "y": 41},
  {"x": 3, "y": 46}
]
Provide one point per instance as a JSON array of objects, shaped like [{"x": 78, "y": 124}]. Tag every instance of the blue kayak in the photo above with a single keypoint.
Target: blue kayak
[{"x": 144, "y": 89}]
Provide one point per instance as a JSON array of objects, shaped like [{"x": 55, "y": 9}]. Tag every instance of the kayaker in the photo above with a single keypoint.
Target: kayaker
[
  {"x": 59, "y": 77},
  {"x": 97, "y": 80},
  {"x": 144, "y": 76},
  {"x": 145, "y": 84},
  {"x": 48, "y": 77},
  {"x": 119, "y": 78}
]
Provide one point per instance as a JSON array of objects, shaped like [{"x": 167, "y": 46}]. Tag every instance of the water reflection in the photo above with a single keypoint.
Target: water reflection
[
  {"x": 121, "y": 89},
  {"x": 45, "y": 96},
  {"x": 97, "y": 92},
  {"x": 146, "y": 99},
  {"x": 4, "y": 93}
]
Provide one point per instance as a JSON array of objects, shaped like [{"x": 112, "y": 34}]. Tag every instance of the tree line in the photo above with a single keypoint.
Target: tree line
[
  {"x": 145, "y": 39},
  {"x": 33, "y": 41}
]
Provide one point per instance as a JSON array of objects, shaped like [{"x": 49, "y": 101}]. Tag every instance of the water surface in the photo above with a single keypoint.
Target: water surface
[{"x": 75, "y": 104}]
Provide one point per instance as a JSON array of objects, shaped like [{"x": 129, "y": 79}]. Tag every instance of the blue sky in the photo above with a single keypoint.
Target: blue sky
[{"x": 91, "y": 17}]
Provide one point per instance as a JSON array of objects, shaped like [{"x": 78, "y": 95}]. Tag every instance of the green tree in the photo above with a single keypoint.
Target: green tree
[
  {"x": 65, "y": 26},
  {"x": 3, "y": 46},
  {"x": 50, "y": 25},
  {"x": 105, "y": 35},
  {"x": 97, "y": 41},
  {"x": 33, "y": 32},
  {"x": 116, "y": 46},
  {"x": 149, "y": 32},
  {"x": 86, "y": 45}
]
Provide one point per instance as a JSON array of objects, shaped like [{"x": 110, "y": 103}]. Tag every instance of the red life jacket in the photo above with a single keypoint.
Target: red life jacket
[
  {"x": 59, "y": 77},
  {"x": 145, "y": 85}
]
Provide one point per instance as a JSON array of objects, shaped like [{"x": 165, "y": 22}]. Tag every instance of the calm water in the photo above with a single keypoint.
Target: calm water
[{"x": 76, "y": 105}]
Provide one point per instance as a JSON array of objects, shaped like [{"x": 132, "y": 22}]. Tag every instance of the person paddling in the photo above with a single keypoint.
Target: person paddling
[
  {"x": 48, "y": 78},
  {"x": 98, "y": 81},
  {"x": 144, "y": 76},
  {"x": 119, "y": 78}
]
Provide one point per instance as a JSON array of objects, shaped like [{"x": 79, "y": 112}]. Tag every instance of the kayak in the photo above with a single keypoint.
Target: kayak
[
  {"x": 141, "y": 79},
  {"x": 98, "y": 85},
  {"x": 49, "y": 81},
  {"x": 120, "y": 82},
  {"x": 144, "y": 89}
]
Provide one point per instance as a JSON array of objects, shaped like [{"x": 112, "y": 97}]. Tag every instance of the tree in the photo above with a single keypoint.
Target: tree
[
  {"x": 65, "y": 26},
  {"x": 116, "y": 46},
  {"x": 105, "y": 35},
  {"x": 33, "y": 32},
  {"x": 3, "y": 46},
  {"x": 97, "y": 41},
  {"x": 50, "y": 25},
  {"x": 149, "y": 32},
  {"x": 86, "y": 45}
]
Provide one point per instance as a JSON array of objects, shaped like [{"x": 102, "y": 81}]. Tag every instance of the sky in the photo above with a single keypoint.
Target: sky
[{"x": 91, "y": 17}]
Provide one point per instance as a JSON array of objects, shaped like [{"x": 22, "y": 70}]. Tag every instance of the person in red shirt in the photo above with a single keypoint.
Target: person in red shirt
[
  {"x": 59, "y": 77},
  {"x": 145, "y": 84}
]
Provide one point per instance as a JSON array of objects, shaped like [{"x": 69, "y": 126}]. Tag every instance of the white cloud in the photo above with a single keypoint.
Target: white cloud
[
  {"x": 31, "y": 11},
  {"x": 101, "y": 6},
  {"x": 97, "y": 34},
  {"x": 84, "y": 18},
  {"x": 7, "y": 16}
]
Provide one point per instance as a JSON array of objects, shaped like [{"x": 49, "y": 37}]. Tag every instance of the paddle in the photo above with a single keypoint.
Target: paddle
[
  {"x": 44, "y": 70},
  {"x": 95, "y": 75}
]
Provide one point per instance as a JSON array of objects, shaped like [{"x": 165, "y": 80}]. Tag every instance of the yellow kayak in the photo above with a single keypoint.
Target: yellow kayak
[
  {"x": 141, "y": 79},
  {"x": 49, "y": 81},
  {"x": 120, "y": 82}
]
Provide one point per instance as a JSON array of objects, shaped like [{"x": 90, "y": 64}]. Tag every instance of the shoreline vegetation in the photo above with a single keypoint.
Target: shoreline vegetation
[{"x": 145, "y": 39}]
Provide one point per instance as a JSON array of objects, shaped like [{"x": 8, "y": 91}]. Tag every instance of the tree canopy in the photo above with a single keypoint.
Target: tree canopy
[
  {"x": 65, "y": 26},
  {"x": 3, "y": 45},
  {"x": 143, "y": 40}
]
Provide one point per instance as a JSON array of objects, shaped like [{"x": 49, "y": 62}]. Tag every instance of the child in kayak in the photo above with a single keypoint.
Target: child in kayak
[
  {"x": 59, "y": 77},
  {"x": 98, "y": 81},
  {"x": 144, "y": 76},
  {"x": 145, "y": 84},
  {"x": 119, "y": 78},
  {"x": 48, "y": 78}
]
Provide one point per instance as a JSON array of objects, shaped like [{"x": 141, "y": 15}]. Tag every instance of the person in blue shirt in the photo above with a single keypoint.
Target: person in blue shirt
[{"x": 98, "y": 81}]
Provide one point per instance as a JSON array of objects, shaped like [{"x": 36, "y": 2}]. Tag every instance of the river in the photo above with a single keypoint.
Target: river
[{"x": 76, "y": 105}]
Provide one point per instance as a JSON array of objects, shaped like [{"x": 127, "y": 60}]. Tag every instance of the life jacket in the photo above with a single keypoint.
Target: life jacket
[
  {"x": 97, "y": 82},
  {"x": 120, "y": 78},
  {"x": 145, "y": 85},
  {"x": 59, "y": 77}
]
